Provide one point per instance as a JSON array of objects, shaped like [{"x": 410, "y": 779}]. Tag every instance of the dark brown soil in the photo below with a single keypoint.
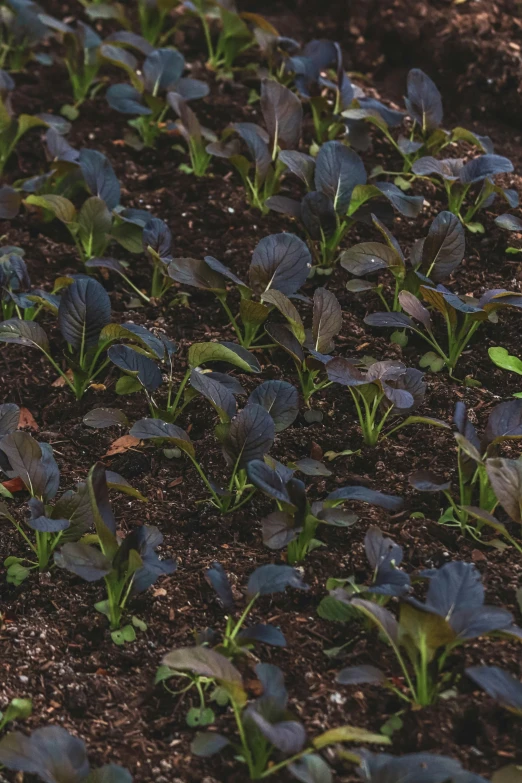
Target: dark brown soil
[{"x": 54, "y": 647}]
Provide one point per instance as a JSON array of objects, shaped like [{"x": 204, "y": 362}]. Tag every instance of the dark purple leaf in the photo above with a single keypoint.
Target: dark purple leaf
[
  {"x": 317, "y": 214},
  {"x": 300, "y": 164},
  {"x": 410, "y": 206},
  {"x": 9, "y": 417},
  {"x": 505, "y": 476},
  {"x": 368, "y": 257},
  {"x": 280, "y": 261},
  {"x": 208, "y": 743},
  {"x": 423, "y": 100},
  {"x": 270, "y": 579},
  {"x": 267, "y": 480},
  {"x": 508, "y": 222},
  {"x": 125, "y": 99},
  {"x": 444, "y": 247},
  {"x": 250, "y": 436},
  {"x": 162, "y": 69},
  {"x": 100, "y": 418},
  {"x": 99, "y": 177},
  {"x": 280, "y": 399},
  {"x": 266, "y": 634},
  {"x": 338, "y": 170},
  {"x": 281, "y": 334},
  {"x": 427, "y": 481},
  {"x": 393, "y": 320},
  {"x": 50, "y": 753},
  {"x": 284, "y": 205},
  {"x": 137, "y": 365},
  {"x": 158, "y": 236},
  {"x": 85, "y": 308},
  {"x": 287, "y": 736},
  {"x": 498, "y": 684},
  {"x": 283, "y": 114},
  {"x": 217, "y": 577},
  {"x": 484, "y": 166},
  {"x": 10, "y": 200},
  {"x": 83, "y": 560},
  {"x": 221, "y": 398},
  {"x": 154, "y": 429},
  {"x": 366, "y": 495}
]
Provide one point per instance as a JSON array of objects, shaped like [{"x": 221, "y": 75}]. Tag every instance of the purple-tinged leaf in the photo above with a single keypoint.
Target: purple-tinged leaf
[
  {"x": 498, "y": 684},
  {"x": 283, "y": 114},
  {"x": 280, "y": 261},
  {"x": 218, "y": 579},
  {"x": 280, "y": 399},
  {"x": 208, "y": 743},
  {"x": 270, "y": 579},
  {"x": 427, "y": 481},
  {"x": 338, "y": 170},
  {"x": 423, "y": 100}
]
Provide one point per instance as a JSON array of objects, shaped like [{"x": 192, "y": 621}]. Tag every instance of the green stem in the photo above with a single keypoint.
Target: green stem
[{"x": 172, "y": 409}]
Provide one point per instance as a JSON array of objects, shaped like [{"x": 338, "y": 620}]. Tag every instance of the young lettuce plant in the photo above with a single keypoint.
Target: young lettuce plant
[
  {"x": 294, "y": 524},
  {"x": 460, "y": 178},
  {"x": 337, "y": 198},
  {"x": 146, "y": 95},
  {"x": 101, "y": 218},
  {"x": 387, "y": 581},
  {"x": 84, "y": 313},
  {"x": 432, "y": 259},
  {"x": 426, "y": 136},
  {"x": 156, "y": 242},
  {"x": 473, "y": 453},
  {"x": 505, "y": 361},
  {"x": 51, "y": 752},
  {"x": 68, "y": 519},
  {"x": 237, "y": 640},
  {"x": 453, "y": 614},
  {"x": 294, "y": 339},
  {"x": 141, "y": 372},
  {"x": 128, "y": 568},
  {"x": 462, "y": 316},
  {"x": 265, "y": 728},
  {"x": 249, "y": 435},
  {"x": 385, "y": 390},
  {"x": 283, "y": 116},
  {"x": 280, "y": 263},
  {"x": 234, "y": 35},
  {"x": 510, "y": 223}
]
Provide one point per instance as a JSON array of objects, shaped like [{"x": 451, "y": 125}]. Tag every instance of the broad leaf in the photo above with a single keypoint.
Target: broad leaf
[
  {"x": 282, "y": 113},
  {"x": 270, "y": 579},
  {"x": 250, "y": 436},
  {"x": 280, "y": 399},
  {"x": 208, "y": 663},
  {"x": 84, "y": 561},
  {"x": 85, "y": 308},
  {"x": 338, "y": 169},
  {"x": 280, "y": 261},
  {"x": 201, "y": 353}
]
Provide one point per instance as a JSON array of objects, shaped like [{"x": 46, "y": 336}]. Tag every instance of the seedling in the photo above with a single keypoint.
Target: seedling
[
  {"x": 510, "y": 223},
  {"x": 128, "y": 568},
  {"x": 237, "y": 640},
  {"x": 283, "y": 115},
  {"x": 337, "y": 198},
  {"x": 473, "y": 456},
  {"x": 462, "y": 316},
  {"x": 146, "y": 95},
  {"x": 294, "y": 339},
  {"x": 432, "y": 259},
  {"x": 265, "y": 727},
  {"x": 294, "y": 524},
  {"x": 459, "y": 178},
  {"x": 454, "y": 613},
  {"x": 49, "y": 526},
  {"x": 385, "y": 390},
  {"x": 502, "y": 359},
  {"x": 280, "y": 264},
  {"x": 247, "y": 436}
]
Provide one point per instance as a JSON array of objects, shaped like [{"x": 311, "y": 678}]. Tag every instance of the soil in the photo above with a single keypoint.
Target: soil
[{"x": 54, "y": 647}]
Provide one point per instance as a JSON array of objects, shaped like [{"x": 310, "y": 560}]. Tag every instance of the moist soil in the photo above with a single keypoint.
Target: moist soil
[{"x": 54, "y": 647}]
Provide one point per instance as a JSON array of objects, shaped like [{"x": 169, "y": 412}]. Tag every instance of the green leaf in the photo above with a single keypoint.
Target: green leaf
[
  {"x": 432, "y": 360},
  {"x": 200, "y": 716},
  {"x": 16, "y": 574},
  {"x": 393, "y": 724},
  {"x": 137, "y": 623},
  {"x": 208, "y": 663},
  {"x": 425, "y": 420},
  {"x": 127, "y": 385},
  {"x": 399, "y": 337},
  {"x": 201, "y": 353},
  {"x": 336, "y": 611},
  {"x": 103, "y": 607},
  {"x": 61, "y": 207},
  {"x": 476, "y": 228},
  {"x": 124, "y": 635},
  {"x": 425, "y": 628},
  {"x": 348, "y": 734},
  {"x": 502, "y": 358},
  {"x": 94, "y": 224},
  {"x": 17, "y": 709}
]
